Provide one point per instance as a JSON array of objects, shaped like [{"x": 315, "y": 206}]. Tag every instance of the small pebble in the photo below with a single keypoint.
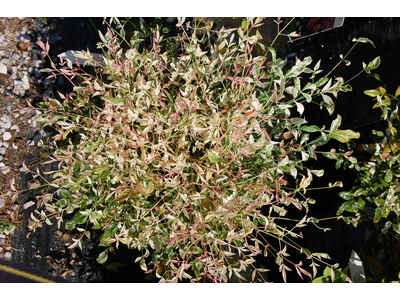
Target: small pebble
[
  {"x": 3, "y": 68},
  {"x": 5, "y": 121},
  {"x": 6, "y": 136},
  {"x": 15, "y": 56},
  {"x": 8, "y": 255},
  {"x": 26, "y": 37},
  {"x": 25, "y": 82},
  {"x": 37, "y": 63},
  {"x": 19, "y": 89},
  {"x": 5, "y": 170}
]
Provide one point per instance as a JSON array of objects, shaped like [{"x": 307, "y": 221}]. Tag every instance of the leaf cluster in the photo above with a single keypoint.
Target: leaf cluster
[{"x": 377, "y": 186}]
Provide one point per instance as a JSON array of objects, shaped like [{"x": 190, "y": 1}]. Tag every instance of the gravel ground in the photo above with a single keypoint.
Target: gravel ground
[{"x": 17, "y": 125}]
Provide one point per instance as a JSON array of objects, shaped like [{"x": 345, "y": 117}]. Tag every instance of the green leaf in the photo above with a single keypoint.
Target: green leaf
[
  {"x": 320, "y": 279},
  {"x": 344, "y": 136},
  {"x": 300, "y": 108},
  {"x": 372, "y": 93},
  {"x": 361, "y": 203},
  {"x": 374, "y": 64},
  {"x": 346, "y": 88},
  {"x": 102, "y": 258},
  {"x": 196, "y": 272},
  {"x": 387, "y": 227},
  {"x": 114, "y": 100},
  {"x": 376, "y": 76},
  {"x": 70, "y": 224},
  {"x": 307, "y": 252},
  {"x": 337, "y": 183},
  {"x": 330, "y": 105},
  {"x": 396, "y": 228},
  {"x": 307, "y": 96},
  {"x": 350, "y": 206},
  {"x": 388, "y": 176},
  {"x": 336, "y": 123},
  {"x": 143, "y": 265},
  {"x": 79, "y": 218},
  {"x": 238, "y": 243},
  {"x": 327, "y": 272},
  {"x": 322, "y": 140},
  {"x": 360, "y": 191},
  {"x": 273, "y": 53},
  {"x": 266, "y": 251},
  {"x": 363, "y": 40},
  {"x": 397, "y": 92},
  {"x": 65, "y": 193},
  {"x": 110, "y": 231},
  {"x": 346, "y": 195},
  {"x": 312, "y": 128},
  {"x": 321, "y": 81},
  {"x": 378, "y": 214},
  {"x": 244, "y": 24},
  {"x": 304, "y": 138},
  {"x": 213, "y": 156},
  {"x": 339, "y": 163}
]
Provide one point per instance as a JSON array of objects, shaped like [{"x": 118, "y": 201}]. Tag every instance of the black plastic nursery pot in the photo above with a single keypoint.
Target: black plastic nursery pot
[{"x": 45, "y": 249}]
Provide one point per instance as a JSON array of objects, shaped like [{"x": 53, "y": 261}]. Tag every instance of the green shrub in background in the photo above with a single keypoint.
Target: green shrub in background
[
  {"x": 175, "y": 148},
  {"x": 377, "y": 186},
  {"x": 333, "y": 276}
]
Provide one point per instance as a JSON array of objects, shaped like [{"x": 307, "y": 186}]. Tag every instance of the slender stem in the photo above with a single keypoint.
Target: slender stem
[
  {"x": 94, "y": 26},
  {"x": 354, "y": 76},
  {"x": 280, "y": 32},
  {"x": 341, "y": 61}
]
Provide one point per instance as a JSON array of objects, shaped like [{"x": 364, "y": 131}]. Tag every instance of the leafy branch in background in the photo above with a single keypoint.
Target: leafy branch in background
[{"x": 377, "y": 186}]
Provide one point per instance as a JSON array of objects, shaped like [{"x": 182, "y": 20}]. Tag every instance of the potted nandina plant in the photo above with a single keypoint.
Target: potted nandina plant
[{"x": 174, "y": 150}]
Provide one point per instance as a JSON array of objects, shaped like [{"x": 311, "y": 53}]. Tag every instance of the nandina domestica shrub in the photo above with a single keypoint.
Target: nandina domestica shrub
[{"x": 174, "y": 149}]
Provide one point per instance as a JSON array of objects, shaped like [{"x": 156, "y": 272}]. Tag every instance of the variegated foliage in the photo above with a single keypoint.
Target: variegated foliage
[{"x": 178, "y": 151}]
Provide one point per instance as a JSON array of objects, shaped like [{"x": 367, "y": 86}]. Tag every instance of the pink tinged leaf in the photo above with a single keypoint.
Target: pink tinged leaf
[
  {"x": 40, "y": 44},
  {"x": 110, "y": 34},
  {"x": 47, "y": 46},
  {"x": 175, "y": 117}
]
